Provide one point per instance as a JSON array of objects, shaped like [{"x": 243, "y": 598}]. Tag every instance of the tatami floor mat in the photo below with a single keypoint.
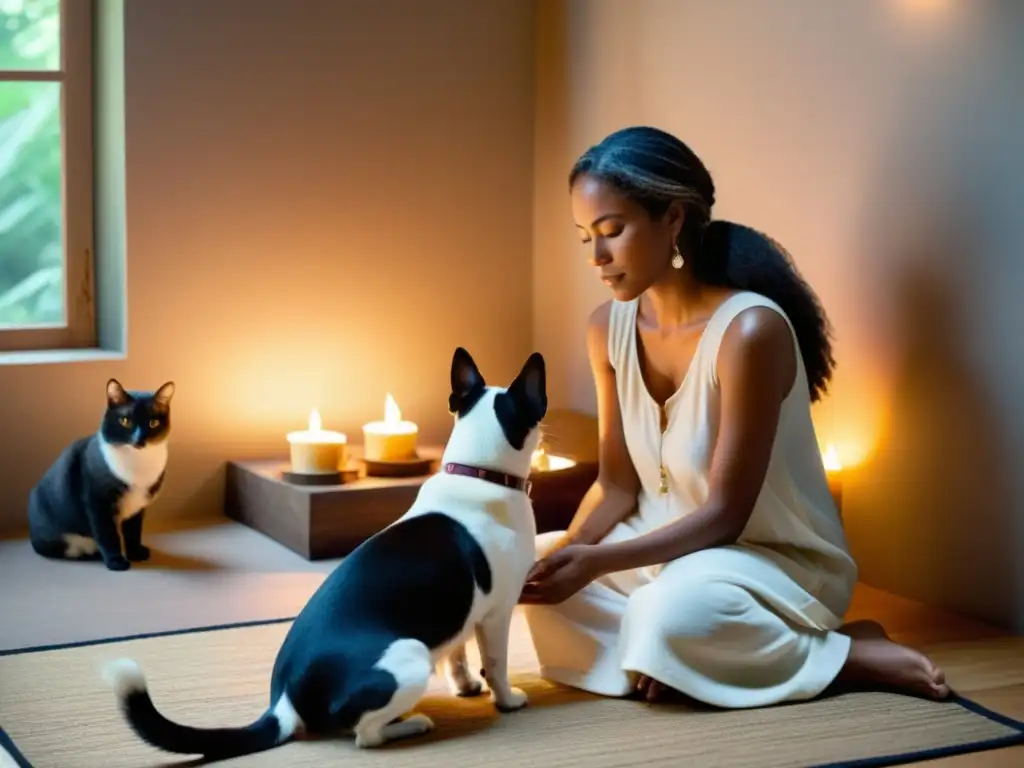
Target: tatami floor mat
[{"x": 59, "y": 714}]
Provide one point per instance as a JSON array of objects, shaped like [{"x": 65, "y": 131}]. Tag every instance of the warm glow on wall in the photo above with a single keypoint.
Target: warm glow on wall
[
  {"x": 847, "y": 453},
  {"x": 920, "y": 15},
  {"x": 925, "y": 7},
  {"x": 850, "y": 429},
  {"x": 831, "y": 459}
]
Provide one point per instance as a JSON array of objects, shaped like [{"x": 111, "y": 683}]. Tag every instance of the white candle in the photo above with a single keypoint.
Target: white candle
[
  {"x": 316, "y": 450},
  {"x": 392, "y": 439}
]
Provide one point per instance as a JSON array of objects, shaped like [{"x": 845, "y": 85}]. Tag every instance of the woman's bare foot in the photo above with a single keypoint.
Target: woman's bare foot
[
  {"x": 875, "y": 660},
  {"x": 864, "y": 629},
  {"x": 651, "y": 691}
]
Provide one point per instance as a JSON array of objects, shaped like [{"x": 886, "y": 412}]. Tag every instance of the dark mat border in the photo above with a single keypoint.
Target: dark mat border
[
  {"x": 871, "y": 762},
  {"x": 143, "y": 636},
  {"x": 8, "y": 745}
]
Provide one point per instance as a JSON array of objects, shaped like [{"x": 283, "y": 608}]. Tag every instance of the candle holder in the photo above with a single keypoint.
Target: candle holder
[
  {"x": 338, "y": 477},
  {"x": 412, "y": 467},
  {"x": 320, "y": 478}
]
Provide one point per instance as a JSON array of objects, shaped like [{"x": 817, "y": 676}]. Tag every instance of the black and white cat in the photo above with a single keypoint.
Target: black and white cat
[
  {"x": 97, "y": 490},
  {"x": 359, "y": 656}
]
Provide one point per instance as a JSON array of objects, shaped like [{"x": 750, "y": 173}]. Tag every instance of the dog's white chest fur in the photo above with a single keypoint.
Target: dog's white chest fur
[
  {"x": 139, "y": 469},
  {"x": 502, "y": 523}
]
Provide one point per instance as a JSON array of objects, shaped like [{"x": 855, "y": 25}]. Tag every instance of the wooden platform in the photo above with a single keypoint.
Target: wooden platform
[
  {"x": 327, "y": 521},
  {"x": 318, "y": 521}
]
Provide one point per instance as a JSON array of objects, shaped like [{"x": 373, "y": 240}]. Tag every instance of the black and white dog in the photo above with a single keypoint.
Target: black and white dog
[{"x": 359, "y": 656}]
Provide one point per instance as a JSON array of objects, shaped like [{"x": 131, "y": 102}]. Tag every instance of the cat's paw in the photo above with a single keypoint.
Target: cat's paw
[
  {"x": 510, "y": 702},
  {"x": 138, "y": 554},
  {"x": 117, "y": 563}
]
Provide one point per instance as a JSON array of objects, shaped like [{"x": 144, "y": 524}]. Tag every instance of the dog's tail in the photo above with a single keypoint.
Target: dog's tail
[{"x": 274, "y": 727}]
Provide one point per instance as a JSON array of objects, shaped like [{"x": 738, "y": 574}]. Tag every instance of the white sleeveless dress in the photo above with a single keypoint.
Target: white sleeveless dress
[{"x": 745, "y": 625}]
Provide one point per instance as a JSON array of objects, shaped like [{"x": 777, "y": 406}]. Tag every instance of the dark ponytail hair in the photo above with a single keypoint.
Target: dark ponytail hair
[{"x": 655, "y": 169}]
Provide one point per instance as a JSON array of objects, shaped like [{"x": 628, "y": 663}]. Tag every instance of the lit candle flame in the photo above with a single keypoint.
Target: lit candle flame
[
  {"x": 315, "y": 433},
  {"x": 537, "y": 458},
  {"x": 392, "y": 413},
  {"x": 831, "y": 459},
  {"x": 542, "y": 461}
]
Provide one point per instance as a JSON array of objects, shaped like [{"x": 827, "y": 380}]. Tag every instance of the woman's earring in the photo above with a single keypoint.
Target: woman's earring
[{"x": 677, "y": 258}]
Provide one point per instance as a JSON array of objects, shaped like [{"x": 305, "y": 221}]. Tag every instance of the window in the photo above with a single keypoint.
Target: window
[{"x": 46, "y": 230}]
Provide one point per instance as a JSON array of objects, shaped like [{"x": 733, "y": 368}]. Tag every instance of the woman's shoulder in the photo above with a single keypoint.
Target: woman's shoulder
[
  {"x": 600, "y": 317},
  {"x": 602, "y": 342},
  {"x": 756, "y": 349},
  {"x": 597, "y": 333},
  {"x": 751, "y": 317},
  {"x": 604, "y": 315}
]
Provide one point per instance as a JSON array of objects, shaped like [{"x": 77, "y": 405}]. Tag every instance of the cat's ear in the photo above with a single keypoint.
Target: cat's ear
[
  {"x": 116, "y": 395},
  {"x": 162, "y": 397},
  {"x": 529, "y": 390},
  {"x": 467, "y": 383}
]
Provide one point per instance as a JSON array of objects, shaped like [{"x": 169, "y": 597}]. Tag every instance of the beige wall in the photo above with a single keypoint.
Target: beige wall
[
  {"x": 324, "y": 198},
  {"x": 881, "y": 142},
  {"x": 312, "y": 184}
]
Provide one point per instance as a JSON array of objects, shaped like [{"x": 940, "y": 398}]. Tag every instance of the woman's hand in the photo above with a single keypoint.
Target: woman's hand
[
  {"x": 561, "y": 542},
  {"x": 564, "y": 571}
]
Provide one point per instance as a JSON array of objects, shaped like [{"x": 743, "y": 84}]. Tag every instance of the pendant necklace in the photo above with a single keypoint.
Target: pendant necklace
[{"x": 663, "y": 416}]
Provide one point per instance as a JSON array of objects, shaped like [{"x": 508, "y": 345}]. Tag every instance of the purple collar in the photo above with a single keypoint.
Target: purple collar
[{"x": 490, "y": 475}]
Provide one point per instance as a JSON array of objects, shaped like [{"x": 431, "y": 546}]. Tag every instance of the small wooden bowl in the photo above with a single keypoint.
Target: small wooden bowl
[{"x": 556, "y": 494}]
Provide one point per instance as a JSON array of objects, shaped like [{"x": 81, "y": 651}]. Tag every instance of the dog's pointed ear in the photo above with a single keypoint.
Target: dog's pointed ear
[
  {"x": 529, "y": 390},
  {"x": 467, "y": 383}
]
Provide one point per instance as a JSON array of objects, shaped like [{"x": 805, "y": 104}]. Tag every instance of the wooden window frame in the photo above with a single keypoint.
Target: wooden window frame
[{"x": 76, "y": 75}]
